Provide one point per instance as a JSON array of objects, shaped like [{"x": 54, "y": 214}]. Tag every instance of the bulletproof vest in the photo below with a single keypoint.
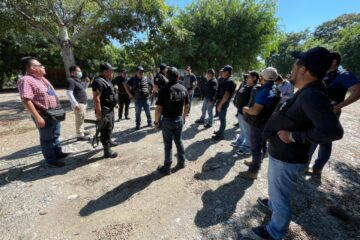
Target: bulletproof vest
[
  {"x": 141, "y": 88},
  {"x": 108, "y": 97},
  {"x": 335, "y": 94}
]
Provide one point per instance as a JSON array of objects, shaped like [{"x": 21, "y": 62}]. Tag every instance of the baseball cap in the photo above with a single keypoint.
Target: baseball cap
[
  {"x": 227, "y": 68},
  {"x": 140, "y": 68},
  {"x": 106, "y": 66},
  {"x": 269, "y": 74},
  {"x": 318, "y": 60},
  {"x": 163, "y": 66},
  {"x": 252, "y": 73}
]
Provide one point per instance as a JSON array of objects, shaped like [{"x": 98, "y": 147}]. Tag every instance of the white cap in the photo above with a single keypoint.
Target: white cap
[{"x": 269, "y": 74}]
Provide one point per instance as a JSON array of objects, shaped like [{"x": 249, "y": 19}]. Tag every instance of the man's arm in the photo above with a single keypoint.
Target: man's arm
[
  {"x": 128, "y": 91},
  {"x": 186, "y": 111},
  {"x": 354, "y": 96},
  {"x": 40, "y": 122},
  {"x": 223, "y": 101},
  {"x": 97, "y": 106},
  {"x": 254, "y": 110}
]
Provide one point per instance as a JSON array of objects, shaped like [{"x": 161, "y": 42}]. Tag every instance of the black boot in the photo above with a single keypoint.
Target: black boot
[{"x": 108, "y": 153}]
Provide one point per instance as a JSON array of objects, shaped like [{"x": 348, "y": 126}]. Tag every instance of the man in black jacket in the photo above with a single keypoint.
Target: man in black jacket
[
  {"x": 209, "y": 93},
  {"x": 124, "y": 100},
  {"x": 305, "y": 119}
]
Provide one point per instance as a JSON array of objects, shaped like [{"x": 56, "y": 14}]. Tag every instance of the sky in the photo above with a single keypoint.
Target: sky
[{"x": 298, "y": 15}]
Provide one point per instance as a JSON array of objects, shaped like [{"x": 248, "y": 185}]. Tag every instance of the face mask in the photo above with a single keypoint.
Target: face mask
[{"x": 79, "y": 75}]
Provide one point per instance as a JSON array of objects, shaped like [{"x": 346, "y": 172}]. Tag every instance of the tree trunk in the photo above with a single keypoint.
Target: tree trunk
[{"x": 66, "y": 49}]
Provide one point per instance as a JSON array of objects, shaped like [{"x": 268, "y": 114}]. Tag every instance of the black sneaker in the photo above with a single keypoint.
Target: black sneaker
[
  {"x": 110, "y": 154},
  {"x": 260, "y": 233},
  {"x": 62, "y": 155},
  {"x": 87, "y": 133},
  {"x": 216, "y": 132},
  {"x": 56, "y": 164},
  {"x": 164, "y": 170},
  {"x": 180, "y": 165},
  {"x": 217, "y": 137},
  {"x": 200, "y": 121},
  {"x": 127, "y": 118},
  {"x": 264, "y": 204},
  {"x": 236, "y": 124},
  {"x": 207, "y": 126}
]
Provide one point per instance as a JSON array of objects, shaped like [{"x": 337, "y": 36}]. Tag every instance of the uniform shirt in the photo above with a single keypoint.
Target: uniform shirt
[
  {"x": 266, "y": 95},
  {"x": 106, "y": 88},
  {"x": 189, "y": 80},
  {"x": 120, "y": 81},
  {"x": 337, "y": 83},
  {"x": 226, "y": 85},
  {"x": 160, "y": 80},
  {"x": 134, "y": 84},
  {"x": 210, "y": 89},
  {"x": 78, "y": 89},
  {"x": 38, "y": 90},
  {"x": 172, "y": 97}
]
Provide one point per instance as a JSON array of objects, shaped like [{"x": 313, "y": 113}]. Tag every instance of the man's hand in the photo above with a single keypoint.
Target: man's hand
[
  {"x": 40, "y": 122},
  {"x": 337, "y": 109},
  {"x": 77, "y": 108},
  {"x": 98, "y": 115},
  {"x": 285, "y": 136},
  {"x": 218, "y": 108},
  {"x": 245, "y": 109}
]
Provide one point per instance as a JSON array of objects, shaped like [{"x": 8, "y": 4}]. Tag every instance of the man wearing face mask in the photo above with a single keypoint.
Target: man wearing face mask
[
  {"x": 105, "y": 99},
  {"x": 76, "y": 92}
]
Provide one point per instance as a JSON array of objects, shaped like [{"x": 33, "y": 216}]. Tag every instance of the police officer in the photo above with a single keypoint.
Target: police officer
[
  {"x": 256, "y": 115},
  {"x": 226, "y": 89},
  {"x": 160, "y": 78},
  {"x": 190, "y": 82},
  {"x": 124, "y": 100},
  {"x": 338, "y": 81},
  {"x": 172, "y": 106},
  {"x": 306, "y": 118},
  {"x": 105, "y": 99}
]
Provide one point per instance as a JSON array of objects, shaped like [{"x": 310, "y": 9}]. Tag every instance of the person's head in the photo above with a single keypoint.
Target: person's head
[
  {"x": 123, "y": 72},
  {"x": 210, "y": 74},
  {"x": 279, "y": 79},
  {"x": 75, "y": 72},
  {"x": 140, "y": 72},
  {"x": 106, "y": 70},
  {"x": 269, "y": 74},
  {"x": 32, "y": 66},
  {"x": 172, "y": 74},
  {"x": 252, "y": 78},
  {"x": 310, "y": 66},
  {"x": 163, "y": 68},
  {"x": 226, "y": 71},
  {"x": 188, "y": 70},
  {"x": 336, "y": 60},
  {"x": 220, "y": 73}
]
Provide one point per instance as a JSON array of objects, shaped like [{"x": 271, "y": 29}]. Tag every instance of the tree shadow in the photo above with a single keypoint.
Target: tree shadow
[
  {"x": 132, "y": 135},
  {"x": 191, "y": 132},
  {"x": 120, "y": 194},
  {"x": 219, "y": 205},
  {"x": 40, "y": 170}
]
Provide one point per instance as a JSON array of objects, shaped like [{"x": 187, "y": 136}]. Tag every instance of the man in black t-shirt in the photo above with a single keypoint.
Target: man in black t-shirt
[
  {"x": 190, "y": 82},
  {"x": 160, "y": 79},
  {"x": 105, "y": 99},
  {"x": 172, "y": 106},
  {"x": 76, "y": 92},
  {"x": 226, "y": 89},
  {"x": 140, "y": 88},
  {"x": 124, "y": 99}
]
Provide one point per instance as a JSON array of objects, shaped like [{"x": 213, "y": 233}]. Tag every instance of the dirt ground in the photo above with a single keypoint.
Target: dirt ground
[{"x": 125, "y": 198}]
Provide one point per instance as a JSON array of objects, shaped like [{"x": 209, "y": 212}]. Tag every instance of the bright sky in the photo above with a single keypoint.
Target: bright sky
[{"x": 297, "y": 15}]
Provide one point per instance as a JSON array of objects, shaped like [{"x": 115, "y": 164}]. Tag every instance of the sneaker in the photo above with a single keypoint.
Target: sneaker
[
  {"x": 313, "y": 172},
  {"x": 56, "y": 164},
  {"x": 248, "y": 163},
  {"x": 264, "y": 204},
  {"x": 248, "y": 175},
  {"x": 236, "y": 124},
  {"x": 207, "y": 126},
  {"x": 216, "y": 132},
  {"x": 217, "y": 137},
  {"x": 83, "y": 138},
  {"x": 242, "y": 152},
  {"x": 110, "y": 154},
  {"x": 62, "y": 155},
  {"x": 257, "y": 233},
  {"x": 127, "y": 118},
  {"x": 200, "y": 121},
  {"x": 164, "y": 170},
  {"x": 87, "y": 133},
  {"x": 180, "y": 165}
]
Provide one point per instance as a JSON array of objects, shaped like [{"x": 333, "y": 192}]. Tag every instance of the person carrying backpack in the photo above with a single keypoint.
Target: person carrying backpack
[{"x": 139, "y": 88}]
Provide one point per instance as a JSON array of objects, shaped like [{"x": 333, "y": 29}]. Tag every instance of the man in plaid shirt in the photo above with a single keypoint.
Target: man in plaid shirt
[{"x": 37, "y": 94}]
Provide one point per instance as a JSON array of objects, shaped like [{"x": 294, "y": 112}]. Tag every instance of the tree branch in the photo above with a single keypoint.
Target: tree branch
[
  {"x": 57, "y": 17},
  {"x": 71, "y": 22}
]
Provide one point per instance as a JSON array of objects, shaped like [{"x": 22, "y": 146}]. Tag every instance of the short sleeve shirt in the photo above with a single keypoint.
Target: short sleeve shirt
[
  {"x": 78, "y": 89},
  {"x": 226, "y": 85},
  {"x": 265, "y": 95},
  {"x": 120, "y": 81},
  {"x": 107, "y": 91},
  {"x": 172, "y": 97},
  {"x": 189, "y": 81},
  {"x": 160, "y": 80},
  {"x": 38, "y": 90}
]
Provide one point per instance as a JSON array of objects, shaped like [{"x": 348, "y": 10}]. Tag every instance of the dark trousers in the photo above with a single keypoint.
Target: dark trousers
[
  {"x": 124, "y": 101},
  {"x": 172, "y": 130},
  {"x": 258, "y": 147},
  {"x": 324, "y": 154},
  {"x": 106, "y": 130}
]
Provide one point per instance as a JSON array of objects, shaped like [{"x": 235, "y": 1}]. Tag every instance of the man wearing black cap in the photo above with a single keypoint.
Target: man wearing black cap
[
  {"x": 139, "y": 88},
  {"x": 105, "y": 99},
  {"x": 172, "y": 106},
  {"x": 124, "y": 99},
  {"x": 190, "y": 82},
  {"x": 304, "y": 119},
  {"x": 338, "y": 81},
  {"x": 225, "y": 91},
  {"x": 160, "y": 79}
]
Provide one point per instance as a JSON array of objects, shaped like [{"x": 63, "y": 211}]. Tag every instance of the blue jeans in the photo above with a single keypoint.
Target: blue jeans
[
  {"x": 258, "y": 147},
  {"x": 49, "y": 140},
  {"x": 324, "y": 154},
  {"x": 282, "y": 178},
  {"x": 243, "y": 141},
  {"x": 191, "y": 96},
  {"x": 222, "y": 118},
  {"x": 172, "y": 130},
  {"x": 139, "y": 105},
  {"x": 209, "y": 109}
]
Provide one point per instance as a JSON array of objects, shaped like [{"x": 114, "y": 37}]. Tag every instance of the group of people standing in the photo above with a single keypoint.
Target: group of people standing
[{"x": 273, "y": 119}]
